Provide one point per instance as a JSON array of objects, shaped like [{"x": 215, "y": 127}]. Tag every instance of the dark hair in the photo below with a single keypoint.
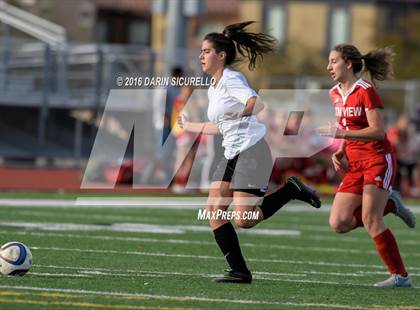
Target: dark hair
[
  {"x": 177, "y": 71},
  {"x": 377, "y": 62},
  {"x": 248, "y": 44}
]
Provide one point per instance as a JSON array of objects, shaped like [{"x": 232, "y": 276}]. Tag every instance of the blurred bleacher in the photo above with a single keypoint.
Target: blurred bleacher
[
  {"x": 44, "y": 80},
  {"x": 52, "y": 92}
]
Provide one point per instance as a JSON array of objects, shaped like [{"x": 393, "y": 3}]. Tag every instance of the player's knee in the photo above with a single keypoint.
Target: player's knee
[
  {"x": 339, "y": 225},
  {"x": 370, "y": 221},
  {"x": 211, "y": 207},
  {"x": 225, "y": 193},
  {"x": 243, "y": 223}
]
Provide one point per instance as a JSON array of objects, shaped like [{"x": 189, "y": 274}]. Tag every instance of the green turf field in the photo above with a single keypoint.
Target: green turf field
[{"x": 149, "y": 257}]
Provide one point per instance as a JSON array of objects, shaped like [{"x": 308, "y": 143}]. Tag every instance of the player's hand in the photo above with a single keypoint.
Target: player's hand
[
  {"x": 337, "y": 158},
  {"x": 331, "y": 131},
  {"x": 328, "y": 130}
]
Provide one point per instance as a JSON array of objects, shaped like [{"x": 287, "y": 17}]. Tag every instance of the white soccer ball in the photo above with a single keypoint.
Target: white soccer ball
[{"x": 15, "y": 259}]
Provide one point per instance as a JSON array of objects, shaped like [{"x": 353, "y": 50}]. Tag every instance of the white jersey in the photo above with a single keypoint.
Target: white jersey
[{"x": 230, "y": 95}]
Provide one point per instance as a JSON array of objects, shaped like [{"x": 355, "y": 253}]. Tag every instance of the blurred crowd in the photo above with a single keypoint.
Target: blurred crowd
[
  {"x": 404, "y": 135},
  {"x": 185, "y": 151}
]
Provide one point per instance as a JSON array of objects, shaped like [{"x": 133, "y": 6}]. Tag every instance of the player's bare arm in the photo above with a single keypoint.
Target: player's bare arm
[
  {"x": 375, "y": 131},
  {"x": 253, "y": 106},
  {"x": 338, "y": 156},
  {"x": 206, "y": 128}
]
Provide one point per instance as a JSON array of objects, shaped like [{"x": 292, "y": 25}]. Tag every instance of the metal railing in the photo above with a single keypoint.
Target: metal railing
[{"x": 42, "y": 29}]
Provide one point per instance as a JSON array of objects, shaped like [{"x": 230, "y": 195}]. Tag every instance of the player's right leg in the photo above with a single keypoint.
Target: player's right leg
[
  {"x": 374, "y": 201},
  {"x": 342, "y": 218}
]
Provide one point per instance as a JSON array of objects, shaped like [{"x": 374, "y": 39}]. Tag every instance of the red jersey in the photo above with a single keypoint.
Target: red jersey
[{"x": 350, "y": 111}]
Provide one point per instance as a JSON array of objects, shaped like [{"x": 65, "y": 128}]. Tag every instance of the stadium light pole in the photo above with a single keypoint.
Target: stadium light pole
[
  {"x": 176, "y": 13},
  {"x": 5, "y": 40},
  {"x": 175, "y": 35}
]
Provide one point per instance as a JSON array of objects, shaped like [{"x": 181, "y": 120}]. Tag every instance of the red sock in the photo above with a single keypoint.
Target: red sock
[
  {"x": 390, "y": 206},
  {"x": 387, "y": 247}
]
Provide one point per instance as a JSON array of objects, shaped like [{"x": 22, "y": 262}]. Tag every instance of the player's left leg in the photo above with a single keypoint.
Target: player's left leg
[
  {"x": 292, "y": 189},
  {"x": 246, "y": 210},
  {"x": 245, "y": 201},
  {"x": 374, "y": 200}
]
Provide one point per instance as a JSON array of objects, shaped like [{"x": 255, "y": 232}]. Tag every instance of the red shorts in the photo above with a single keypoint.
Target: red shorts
[{"x": 379, "y": 170}]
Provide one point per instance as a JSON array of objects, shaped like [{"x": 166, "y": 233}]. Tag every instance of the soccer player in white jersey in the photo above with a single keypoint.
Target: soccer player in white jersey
[{"x": 242, "y": 175}]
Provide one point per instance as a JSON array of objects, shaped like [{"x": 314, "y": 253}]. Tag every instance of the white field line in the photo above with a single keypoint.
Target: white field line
[
  {"x": 155, "y": 221},
  {"x": 194, "y": 298},
  {"x": 88, "y": 274},
  {"x": 46, "y": 274},
  {"x": 73, "y": 215},
  {"x": 336, "y": 237},
  {"x": 201, "y": 243},
  {"x": 169, "y": 203},
  {"x": 155, "y": 204},
  {"x": 129, "y": 272},
  {"x": 173, "y": 229},
  {"x": 325, "y": 228},
  {"x": 98, "y": 216},
  {"x": 100, "y": 202},
  {"x": 91, "y": 272},
  {"x": 362, "y": 239},
  {"x": 296, "y": 273},
  {"x": 139, "y": 227},
  {"x": 183, "y": 203},
  {"x": 208, "y": 257},
  {"x": 160, "y": 202},
  {"x": 140, "y": 272}
]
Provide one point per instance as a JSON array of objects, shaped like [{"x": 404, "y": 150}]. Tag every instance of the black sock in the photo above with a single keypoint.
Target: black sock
[
  {"x": 273, "y": 202},
  {"x": 228, "y": 242}
]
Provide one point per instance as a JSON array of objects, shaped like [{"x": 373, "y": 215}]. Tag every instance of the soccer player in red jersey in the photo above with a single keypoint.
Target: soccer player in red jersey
[{"x": 371, "y": 161}]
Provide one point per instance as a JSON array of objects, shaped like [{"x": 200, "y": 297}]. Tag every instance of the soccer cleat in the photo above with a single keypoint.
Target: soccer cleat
[
  {"x": 395, "y": 280},
  {"x": 232, "y": 276},
  {"x": 402, "y": 211},
  {"x": 304, "y": 193}
]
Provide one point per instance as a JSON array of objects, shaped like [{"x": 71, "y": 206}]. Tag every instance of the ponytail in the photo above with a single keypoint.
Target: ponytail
[
  {"x": 249, "y": 44},
  {"x": 379, "y": 63}
]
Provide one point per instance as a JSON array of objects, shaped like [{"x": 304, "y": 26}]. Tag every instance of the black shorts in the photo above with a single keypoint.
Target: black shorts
[{"x": 249, "y": 171}]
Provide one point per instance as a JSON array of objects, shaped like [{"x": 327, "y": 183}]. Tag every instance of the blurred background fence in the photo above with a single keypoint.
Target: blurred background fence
[{"x": 60, "y": 59}]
